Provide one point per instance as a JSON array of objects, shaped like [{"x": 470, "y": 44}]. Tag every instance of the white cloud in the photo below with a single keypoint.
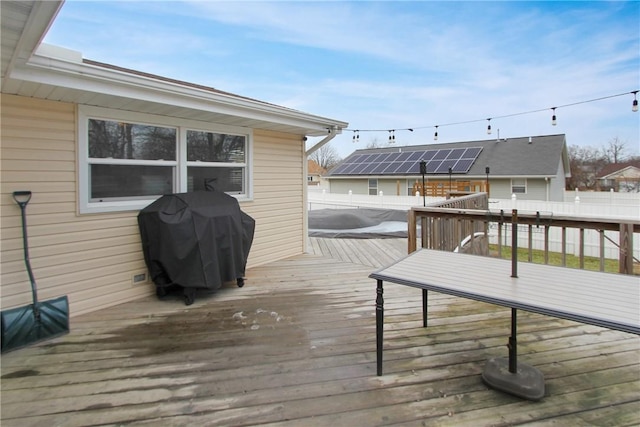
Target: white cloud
[{"x": 389, "y": 64}]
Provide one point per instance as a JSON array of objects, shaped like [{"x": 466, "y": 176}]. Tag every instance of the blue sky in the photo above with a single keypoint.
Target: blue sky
[{"x": 390, "y": 65}]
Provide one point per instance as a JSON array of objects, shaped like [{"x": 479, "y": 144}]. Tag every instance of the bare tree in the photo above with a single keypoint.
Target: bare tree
[
  {"x": 585, "y": 163},
  {"x": 615, "y": 150},
  {"x": 376, "y": 143},
  {"x": 326, "y": 156}
]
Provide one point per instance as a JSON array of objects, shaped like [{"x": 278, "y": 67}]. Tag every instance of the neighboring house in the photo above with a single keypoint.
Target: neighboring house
[
  {"x": 314, "y": 173},
  {"x": 622, "y": 177},
  {"x": 533, "y": 168},
  {"x": 95, "y": 143}
]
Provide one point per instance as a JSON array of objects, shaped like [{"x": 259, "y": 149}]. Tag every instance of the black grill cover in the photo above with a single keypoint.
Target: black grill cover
[{"x": 195, "y": 240}]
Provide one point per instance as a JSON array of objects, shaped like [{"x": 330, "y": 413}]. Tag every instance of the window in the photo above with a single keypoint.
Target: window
[
  {"x": 373, "y": 187},
  {"x": 216, "y": 160},
  {"x": 518, "y": 186},
  {"x": 127, "y": 161}
]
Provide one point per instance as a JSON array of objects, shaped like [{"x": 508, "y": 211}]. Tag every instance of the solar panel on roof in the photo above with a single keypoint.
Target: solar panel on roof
[
  {"x": 416, "y": 155},
  {"x": 349, "y": 169},
  {"x": 340, "y": 169},
  {"x": 472, "y": 153},
  {"x": 393, "y": 157},
  {"x": 463, "y": 165},
  {"x": 413, "y": 168},
  {"x": 381, "y": 167},
  {"x": 404, "y": 156},
  {"x": 438, "y": 161},
  {"x": 393, "y": 167},
  {"x": 445, "y": 165},
  {"x": 369, "y": 168},
  {"x": 456, "y": 154},
  {"x": 359, "y": 168},
  {"x": 441, "y": 154},
  {"x": 355, "y": 159},
  {"x": 404, "y": 167},
  {"x": 428, "y": 155}
]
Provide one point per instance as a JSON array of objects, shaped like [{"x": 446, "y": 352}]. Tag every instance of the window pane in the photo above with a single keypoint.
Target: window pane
[
  {"x": 228, "y": 180},
  {"x": 119, "y": 140},
  {"x": 215, "y": 147},
  {"x": 117, "y": 181}
]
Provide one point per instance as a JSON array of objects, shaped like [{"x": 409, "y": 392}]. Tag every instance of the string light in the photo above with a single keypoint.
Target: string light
[
  {"x": 356, "y": 136},
  {"x": 392, "y": 138}
]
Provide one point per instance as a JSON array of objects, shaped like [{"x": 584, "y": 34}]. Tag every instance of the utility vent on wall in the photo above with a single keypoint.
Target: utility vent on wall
[{"x": 139, "y": 278}]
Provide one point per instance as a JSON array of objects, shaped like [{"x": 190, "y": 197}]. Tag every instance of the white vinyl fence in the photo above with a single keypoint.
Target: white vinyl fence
[{"x": 622, "y": 206}]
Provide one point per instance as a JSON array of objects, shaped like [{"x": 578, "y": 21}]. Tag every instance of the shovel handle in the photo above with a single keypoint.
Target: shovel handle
[{"x": 22, "y": 197}]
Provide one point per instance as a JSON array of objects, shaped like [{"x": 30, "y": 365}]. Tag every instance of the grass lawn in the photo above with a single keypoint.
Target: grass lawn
[{"x": 555, "y": 258}]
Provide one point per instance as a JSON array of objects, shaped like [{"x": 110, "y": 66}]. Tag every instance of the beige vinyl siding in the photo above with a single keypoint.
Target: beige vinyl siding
[
  {"x": 278, "y": 207},
  {"x": 92, "y": 258}
]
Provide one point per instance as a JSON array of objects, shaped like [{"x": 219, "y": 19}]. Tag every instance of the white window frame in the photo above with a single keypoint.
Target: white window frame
[
  {"x": 372, "y": 188},
  {"x": 85, "y": 112},
  {"x": 519, "y": 185}
]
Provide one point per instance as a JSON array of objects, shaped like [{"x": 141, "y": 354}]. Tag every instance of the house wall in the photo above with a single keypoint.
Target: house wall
[
  {"x": 342, "y": 186},
  {"x": 393, "y": 187},
  {"x": 500, "y": 188},
  {"x": 557, "y": 185},
  {"x": 536, "y": 189},
  {"x": 92, "y": 258}
]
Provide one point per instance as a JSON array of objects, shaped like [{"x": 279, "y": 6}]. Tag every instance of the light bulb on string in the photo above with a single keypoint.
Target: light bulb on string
[
  {"x": 489, "y": 127},
  {"x": 392, "y": 136},
  {"x": 553, "y": 118},
  {"x": 435, "y": 135},
  {"x": 634, "y": 106},
  {"x": 356, "y": 136}
]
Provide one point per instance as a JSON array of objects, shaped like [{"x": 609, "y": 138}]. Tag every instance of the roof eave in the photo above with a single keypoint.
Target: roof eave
[{"x": 84, "y": 77}]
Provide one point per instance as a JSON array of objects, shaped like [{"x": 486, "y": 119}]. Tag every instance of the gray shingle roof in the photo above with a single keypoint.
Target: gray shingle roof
[{"x": 523, "y": 156}]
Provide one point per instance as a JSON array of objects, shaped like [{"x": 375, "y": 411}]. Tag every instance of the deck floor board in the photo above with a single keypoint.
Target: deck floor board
[{"x": 296, "y": 347}]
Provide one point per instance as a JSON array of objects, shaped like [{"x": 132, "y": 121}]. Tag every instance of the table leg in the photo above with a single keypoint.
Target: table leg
[
  {"x": 513, "y": 343},
  {"x": 425, "y": 300},
  {"x": 379, "y": 325},
  {"x": 510, "y": 376}
]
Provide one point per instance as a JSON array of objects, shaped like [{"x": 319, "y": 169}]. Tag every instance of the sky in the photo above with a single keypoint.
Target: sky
[{"x": 390, "y": 65}]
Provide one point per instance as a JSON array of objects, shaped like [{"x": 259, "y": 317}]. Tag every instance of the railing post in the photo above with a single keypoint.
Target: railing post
[
  {"x": 514, "y": 243},
  {"x": 412, "y": 232},
  {"x": 626, "y": 248}
]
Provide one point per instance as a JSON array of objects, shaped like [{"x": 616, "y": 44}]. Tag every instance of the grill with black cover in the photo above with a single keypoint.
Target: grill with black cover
[{"x": 195, "y": 240}]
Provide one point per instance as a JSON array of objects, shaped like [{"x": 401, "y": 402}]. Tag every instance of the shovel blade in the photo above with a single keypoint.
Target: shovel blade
[{"x": 21, "y": 327}]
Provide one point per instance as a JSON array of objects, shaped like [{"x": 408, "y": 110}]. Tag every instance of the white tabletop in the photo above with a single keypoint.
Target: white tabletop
[{"x": 602, "y": 299}]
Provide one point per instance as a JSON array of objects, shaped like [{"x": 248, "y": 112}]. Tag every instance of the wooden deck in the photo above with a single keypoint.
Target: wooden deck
[{"x": 296, "y": 346}]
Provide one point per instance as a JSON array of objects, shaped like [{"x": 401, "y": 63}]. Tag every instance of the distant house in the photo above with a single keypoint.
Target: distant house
[
  {"x": 314, "y": 173},
  {"x": 533, "y": 168},
  {"x": 622, "y": 177},
  {"x": 95, "y": 143}
]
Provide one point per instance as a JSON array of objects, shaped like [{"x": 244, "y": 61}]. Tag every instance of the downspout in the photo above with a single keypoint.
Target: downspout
[
  {"x": 332, "y": 134},
  {"x": 547, "y": 186},
  {"x": 305, "y": 171}
]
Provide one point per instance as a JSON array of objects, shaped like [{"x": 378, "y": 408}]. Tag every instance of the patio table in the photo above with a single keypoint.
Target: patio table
[{"x": 601, "y": 299}]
